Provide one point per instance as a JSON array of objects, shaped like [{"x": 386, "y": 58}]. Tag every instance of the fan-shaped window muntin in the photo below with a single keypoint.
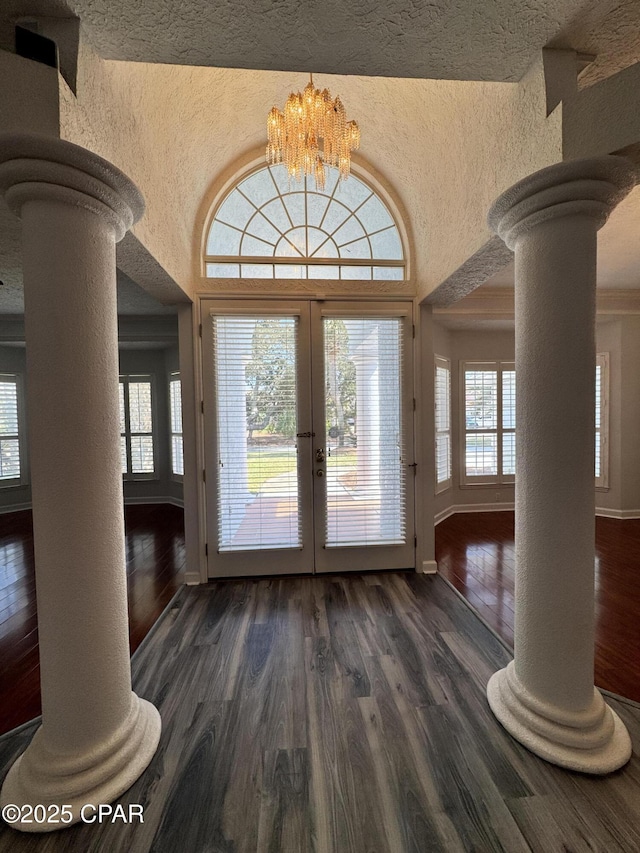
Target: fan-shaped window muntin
[{"x": 270, "y": 227}]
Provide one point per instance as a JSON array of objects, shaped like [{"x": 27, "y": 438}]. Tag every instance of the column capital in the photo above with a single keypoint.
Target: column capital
[
  {"x": 39, "y": 167},
  {"x": 590, "y": 188}
]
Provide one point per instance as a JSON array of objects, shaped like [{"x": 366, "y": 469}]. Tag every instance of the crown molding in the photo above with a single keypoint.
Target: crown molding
[{"x": 499, "y": 303}]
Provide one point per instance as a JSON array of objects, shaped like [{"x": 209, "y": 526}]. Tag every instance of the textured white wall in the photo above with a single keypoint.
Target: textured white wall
[
  {"x": 448, "y": 148},
  {"x": 121, "y": 113},
  {"x": 604, "y": 118},
  {"x": 28, "y": 96},
  {"x": 483, "y": 137},
  {"x": 620, "y": 338}
]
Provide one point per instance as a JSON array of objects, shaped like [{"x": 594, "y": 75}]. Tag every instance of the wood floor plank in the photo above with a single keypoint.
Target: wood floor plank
[
  {"x": 393, "y": 735},
  {"x": 155, "y": 559},
  {"x": 284, "y": 811},
  {"x": 346, "y": 652},
  {"x": 550, "y": 829},
  {"x": 286, "y": 731},
  {"x": 386, "y": 782},
  {"x": 466, "y": 789},
  {"x": 476, "y": 553}
]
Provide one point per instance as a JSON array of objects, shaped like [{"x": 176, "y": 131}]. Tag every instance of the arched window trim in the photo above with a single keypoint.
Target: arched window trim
[{"x": 370, "y": 180}]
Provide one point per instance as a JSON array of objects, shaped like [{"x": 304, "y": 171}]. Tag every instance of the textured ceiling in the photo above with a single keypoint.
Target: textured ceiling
[
  {"x": 608, "y": 30},
  {"x": 455, "y": 39},
  {"x": 441, "y": 39},
  {"x": 618, "y": 250}
]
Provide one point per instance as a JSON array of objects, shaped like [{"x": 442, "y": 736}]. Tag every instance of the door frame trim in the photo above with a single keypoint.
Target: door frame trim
[{"x": 197, "y": 315}]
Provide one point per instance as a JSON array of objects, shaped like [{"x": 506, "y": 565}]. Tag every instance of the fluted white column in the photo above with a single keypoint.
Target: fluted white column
[
  {"x": 546, "y": 697},
  {"x": 96, "y": 736}
]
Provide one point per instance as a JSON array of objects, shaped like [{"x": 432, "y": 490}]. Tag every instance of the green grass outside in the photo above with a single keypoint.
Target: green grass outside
[{"x": 263, "y": 465}]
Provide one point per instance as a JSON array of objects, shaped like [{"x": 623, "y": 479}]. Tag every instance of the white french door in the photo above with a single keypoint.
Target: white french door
[{"x": 308, "y": 436}]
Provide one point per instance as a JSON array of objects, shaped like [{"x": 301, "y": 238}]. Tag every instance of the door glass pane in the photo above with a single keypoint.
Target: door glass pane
[
  {"x": 366, "y": 469},
  {"x": 255, "y": 361}
]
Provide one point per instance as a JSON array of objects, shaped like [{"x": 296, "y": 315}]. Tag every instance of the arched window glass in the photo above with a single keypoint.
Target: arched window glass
[{"x": 269, "y": 226}]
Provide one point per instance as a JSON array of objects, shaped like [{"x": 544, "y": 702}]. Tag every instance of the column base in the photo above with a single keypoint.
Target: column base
[
  {"x": 101, "y": 775},
  {"x": 592, "y": 741}
]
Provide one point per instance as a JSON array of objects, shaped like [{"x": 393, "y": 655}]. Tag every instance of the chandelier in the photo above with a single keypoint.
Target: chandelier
[{"x": 310, "y": 133}]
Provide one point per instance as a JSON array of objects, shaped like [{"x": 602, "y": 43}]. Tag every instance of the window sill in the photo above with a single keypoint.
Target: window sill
[
  {"x": 508, "y": 484},
  {"x": 11, "y": 484}
]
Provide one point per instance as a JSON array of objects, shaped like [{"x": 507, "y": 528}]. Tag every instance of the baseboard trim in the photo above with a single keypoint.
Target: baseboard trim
[
  {"x": 458, "y": 508},
  {"x": 5, "y": 510},
  {"x": 470, "y": 606},
  {"x": 166, "y": 499},
  {"x": 135, "y": 501},
  {"x": 21, "y": 728},
  {"x": 152, "y": 630},
  {"x": 621, "y": 514},
  {"x": 603, "y": 512}
]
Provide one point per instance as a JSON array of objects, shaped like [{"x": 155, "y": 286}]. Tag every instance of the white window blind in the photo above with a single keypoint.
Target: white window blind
[
  {"x": 136, "y": 425},
  {"x": 602, "y": 421},
  {"x": 490, "y": 421},
  {"x": 443, "y": 422},
  {"x": 508, "y": 422},
  {"x": 489, "y": 398},
  {"x": 255, "y": 360},
  {"x": 366, "y": 457},
  {"x": 175, "y": 415},
  {"x": 9, "y": 429}
]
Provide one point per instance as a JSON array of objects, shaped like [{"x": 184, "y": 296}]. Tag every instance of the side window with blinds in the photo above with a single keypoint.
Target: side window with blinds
[
  {"x": 602, "y": 421},
  {"x": 11, "y": 464},
  {"x": 136, "y": 427},
  {"x": 490, "y": 422},
  {"x": 488, "y": 408},
  {"x": 443, "y": 423},
  {"x": 175, "y": 415}
]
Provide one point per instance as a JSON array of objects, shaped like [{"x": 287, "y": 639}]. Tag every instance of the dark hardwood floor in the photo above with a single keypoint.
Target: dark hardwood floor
[
  {"x": 340, "y": 715},
  {"x": 155, "y": 557},
  {"x": 475, "y": 552}
]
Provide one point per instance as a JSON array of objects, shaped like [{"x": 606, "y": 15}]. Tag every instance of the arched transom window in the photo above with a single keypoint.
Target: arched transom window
[{"x": 271, "y": 227}]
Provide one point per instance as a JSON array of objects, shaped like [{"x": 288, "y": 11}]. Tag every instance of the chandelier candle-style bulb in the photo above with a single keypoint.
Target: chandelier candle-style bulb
[{"x": 312, "y": 131}]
